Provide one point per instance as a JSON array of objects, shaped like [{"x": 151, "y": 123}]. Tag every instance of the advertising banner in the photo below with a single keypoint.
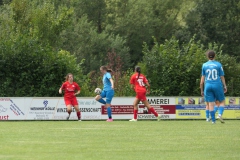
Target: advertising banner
[
  {"x": 90, "y": 110},
  {"x": 190, "y": 112},
  {"x": 12, "y": 109},
  {"x": 122, "y": 108},
  {"x": 164, "y": 106},
  {"x": 54, "y": 108},
  {"x": 164, "y": 111},
  {"x": 194, "y": 108},
  {"x": 42, "y": 109}
]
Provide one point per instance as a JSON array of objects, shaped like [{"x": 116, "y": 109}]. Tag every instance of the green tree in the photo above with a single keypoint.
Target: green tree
[
  {"x": 30, "y": 66},
  {"x": 175, "y": 71},
  {"x": 95, "y": 11},
  {"x": 216, "y": 21},
  {"x": 83, "y": 40},
  {"x": 40, "y": 19},
  {"x": 138, "y": 21},
  {"x": 30, "y": 69}
]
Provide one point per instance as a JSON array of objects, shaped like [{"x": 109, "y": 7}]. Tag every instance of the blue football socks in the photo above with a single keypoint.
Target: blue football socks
[
  {"x": 215, "y": 109},
  {"x": 102, "y": 101},
  {"x": 220, "y": 110},
  {"x": 207, "y": 114},
  {"x": 109, "y": 112},
  {"x": 213, "y": 116}
]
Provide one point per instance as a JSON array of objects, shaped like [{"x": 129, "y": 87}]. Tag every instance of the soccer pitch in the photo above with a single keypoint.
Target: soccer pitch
[{"x": 119, "y": 140}]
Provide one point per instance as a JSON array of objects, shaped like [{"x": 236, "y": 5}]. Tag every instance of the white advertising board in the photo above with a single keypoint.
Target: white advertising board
[
  {"x": 12, "y": 109},
  {"x": 53, "y": 108},
  {"x": 90, "y": 110}
]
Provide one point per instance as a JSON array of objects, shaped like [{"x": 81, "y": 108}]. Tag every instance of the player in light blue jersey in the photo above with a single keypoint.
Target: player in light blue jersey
[
  {"x": 107, "y": 92},
  {"x": 215, "y": 85}
]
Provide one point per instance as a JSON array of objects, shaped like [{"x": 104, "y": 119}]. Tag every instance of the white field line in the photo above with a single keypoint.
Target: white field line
[
  {"x": 77, "y": 128},
  {"x": 40, "y": 142}
]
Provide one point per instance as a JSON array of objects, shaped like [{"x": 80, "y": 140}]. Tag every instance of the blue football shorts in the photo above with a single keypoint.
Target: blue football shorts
[
  {"x": 108, "y": 95},
  {"x": 213, "y": 92}
]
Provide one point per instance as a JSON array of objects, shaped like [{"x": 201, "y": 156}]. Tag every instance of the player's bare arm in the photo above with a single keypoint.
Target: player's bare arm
[
  {"x": 224, "y": 84},
  {"x": 201, "y": 85},
  {"x": 60, "y": 90},
  {"x": 133, "y": 86},
  {"x": 112, "y": 82},
  {"x": 148, "y": 87},
  {"x": 78, "y": 92}
]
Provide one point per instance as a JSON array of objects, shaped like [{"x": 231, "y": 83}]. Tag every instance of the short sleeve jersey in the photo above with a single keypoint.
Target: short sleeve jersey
[
  {"x": 106, "y": 81},
  {"x": 138, "y": 82},
  {"x": 69, "y": 89},
  {"x": 212, "y": 70}
]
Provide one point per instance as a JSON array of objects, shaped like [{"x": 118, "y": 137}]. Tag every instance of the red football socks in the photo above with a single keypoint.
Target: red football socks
[
  {"x": 79, "y": 115},
  {"x": 149, "y": 112},
  {"x": 135, "y": 112},
  {"x": 152, "y": 110}
]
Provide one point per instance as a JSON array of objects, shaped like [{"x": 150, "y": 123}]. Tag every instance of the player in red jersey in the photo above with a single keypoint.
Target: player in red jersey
[
  {"x": 71, "y": 89},
  {"x": 138, "y": 82}
]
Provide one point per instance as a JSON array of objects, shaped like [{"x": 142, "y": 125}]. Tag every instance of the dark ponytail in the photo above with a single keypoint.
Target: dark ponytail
[
  {"x": 138, "y": 69},
  {"x": 106, "y": 69},
  {"x": 109, "y": 70}
]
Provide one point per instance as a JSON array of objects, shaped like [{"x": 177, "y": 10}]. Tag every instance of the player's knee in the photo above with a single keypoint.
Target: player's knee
[
  {"x": 107, "y": 105},
  {"x": 108, "y": 101},
  {"x": 222, "y": 104},
  {"x": 97, "y": 97},
  {"x": 76, "y": 108},
  {"x": 69, "y": 109},
  {"x": 146, "y": 104},
  {"x": 135, "y": 107},
  {"x": 135, "y": 103}
]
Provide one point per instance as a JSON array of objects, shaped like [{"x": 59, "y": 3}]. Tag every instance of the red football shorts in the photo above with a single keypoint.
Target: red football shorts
[
  {"x": 71, "y": 101},
  {"x": 141, "y": 96}
]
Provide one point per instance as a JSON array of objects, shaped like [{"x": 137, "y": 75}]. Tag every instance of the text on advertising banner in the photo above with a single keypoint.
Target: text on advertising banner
[
  {"x": 90, "y": 110},
  {"x": 12, "y": 109}
]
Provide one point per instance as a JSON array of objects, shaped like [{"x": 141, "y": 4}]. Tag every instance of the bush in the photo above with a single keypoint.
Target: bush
[
  {"x": 29, "y": 69},
  {"x": 175, "y": 71}
]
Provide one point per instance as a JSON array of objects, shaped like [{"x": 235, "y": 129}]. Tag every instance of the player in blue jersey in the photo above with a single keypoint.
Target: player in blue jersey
[
  {"x": 107, "y": 92},
  {"x": 215, "y": 85}
]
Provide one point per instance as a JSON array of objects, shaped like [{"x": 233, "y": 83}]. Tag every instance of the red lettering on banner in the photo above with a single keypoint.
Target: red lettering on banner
[
  {"x": 4, "y": 117},
  {"x": 119, "y": 109},
  {"x": 4, "y": 99},
  {"x": 91, "y": 117}
]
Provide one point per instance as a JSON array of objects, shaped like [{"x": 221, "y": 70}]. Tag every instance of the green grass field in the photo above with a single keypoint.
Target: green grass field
[{"x": 119, "y": 140}]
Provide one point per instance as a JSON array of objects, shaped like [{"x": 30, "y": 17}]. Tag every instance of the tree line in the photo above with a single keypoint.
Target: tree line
[{"x": 43, "y": 40}]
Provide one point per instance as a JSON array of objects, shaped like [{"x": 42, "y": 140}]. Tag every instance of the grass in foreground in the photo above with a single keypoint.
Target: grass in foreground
[{"x": 119, "y": 140}]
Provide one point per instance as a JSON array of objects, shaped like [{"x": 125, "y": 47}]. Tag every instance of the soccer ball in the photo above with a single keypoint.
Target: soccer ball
[{"x": 98, "y": 91}]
